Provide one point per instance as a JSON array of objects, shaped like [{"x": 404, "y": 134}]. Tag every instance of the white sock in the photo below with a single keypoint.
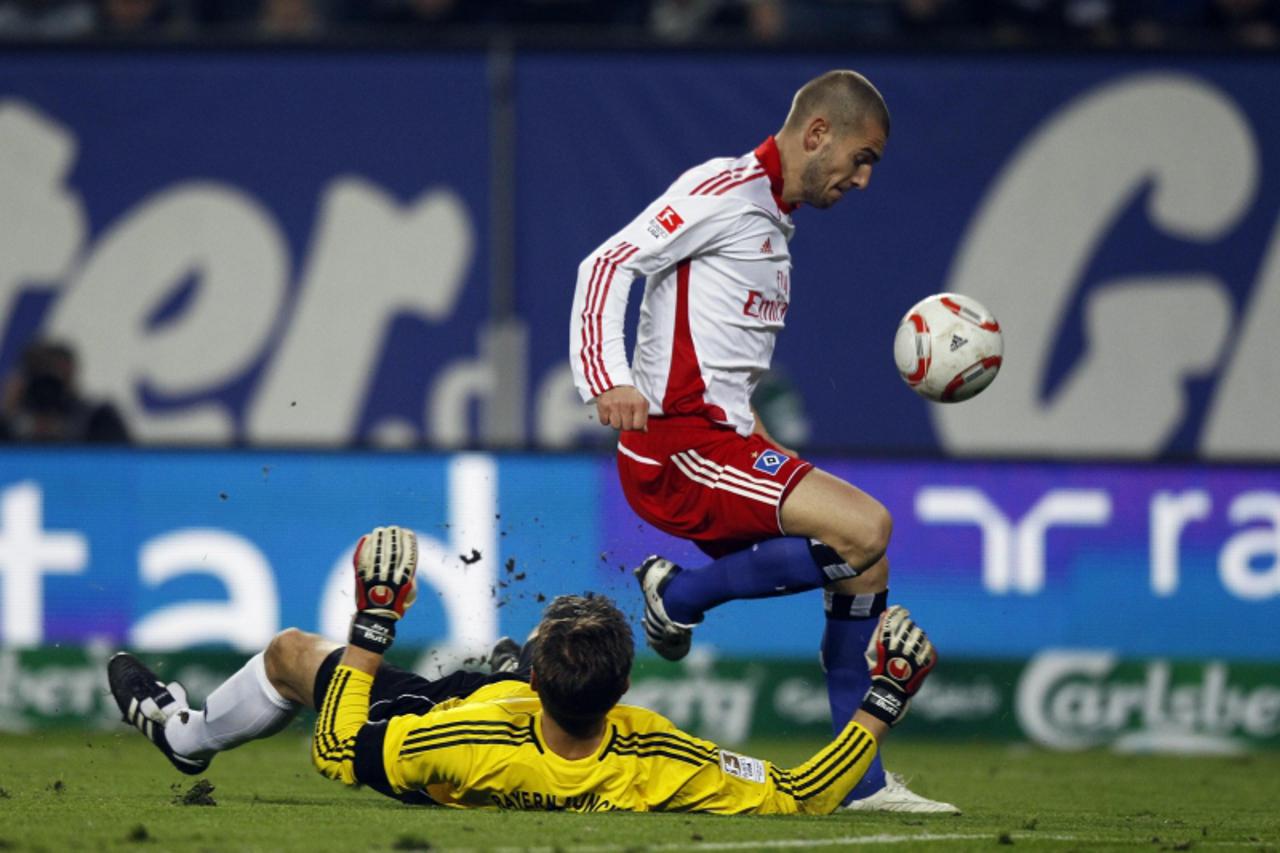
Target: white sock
[{"x": 245, "y": 707}]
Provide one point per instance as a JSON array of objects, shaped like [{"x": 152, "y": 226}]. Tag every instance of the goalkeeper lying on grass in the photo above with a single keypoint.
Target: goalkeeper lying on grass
[{"x": 545, "y": 731}]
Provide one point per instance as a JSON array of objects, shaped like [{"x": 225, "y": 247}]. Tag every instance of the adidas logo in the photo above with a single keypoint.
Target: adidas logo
[
  {"x": 767, "y": 248},
  {"x": 957, "y": 342}
]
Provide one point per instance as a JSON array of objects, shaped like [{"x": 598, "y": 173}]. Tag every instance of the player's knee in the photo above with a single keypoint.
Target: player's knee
[
  {"x": 880, "y": 527},
  {"x": 865, "y": 536},
  {"x": 284, "y": 648}
]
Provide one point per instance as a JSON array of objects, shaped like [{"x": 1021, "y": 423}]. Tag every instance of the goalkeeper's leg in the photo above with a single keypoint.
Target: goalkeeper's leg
[{"x": 257, "y": 701}]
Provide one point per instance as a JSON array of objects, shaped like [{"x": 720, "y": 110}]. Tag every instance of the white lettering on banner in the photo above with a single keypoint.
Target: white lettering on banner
[
  {"x": 27, "y": 554},
  {"x": 1249, "y": 561},
  {"x": 487, "y": 381},
  {"x": 1070, "y": 700},
  {"x": 1013, "y": 558},
  {"x": 1245, "y": 397},
  {"x": 371, "y": 259},
  {"x": 246, "y": 620},
  {"x": 1029, "y": 246},
  {"x": 1261, "y": 544},
  {"x": 42, "y": 223},
  {"x": 232, "y": 249},
  {"x": 1169, "y": 513},
  {"x": 466, "y": 589}
]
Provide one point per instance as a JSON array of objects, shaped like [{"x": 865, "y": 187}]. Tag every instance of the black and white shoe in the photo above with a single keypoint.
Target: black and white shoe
[
  {"x": 667, "y": 637},
  {"x": 147, "y": 704}
]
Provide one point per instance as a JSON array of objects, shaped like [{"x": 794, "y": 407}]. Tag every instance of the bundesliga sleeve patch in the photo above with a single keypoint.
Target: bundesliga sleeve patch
[
  {"x": 770, "y": 461},
  {"x": 742, "y": 766},
  {"x": 665, "y": 223}
]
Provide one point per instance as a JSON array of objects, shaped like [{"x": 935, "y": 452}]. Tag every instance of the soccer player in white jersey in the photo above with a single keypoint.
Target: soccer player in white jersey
[{"x": 693, "y": 457}]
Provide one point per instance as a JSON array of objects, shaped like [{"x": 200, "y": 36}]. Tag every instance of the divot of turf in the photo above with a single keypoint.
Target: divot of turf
[
  {"x": 138, "y": 834},
  {"x": 199, "y": 794},
  {"x": 411, "y": 842}
]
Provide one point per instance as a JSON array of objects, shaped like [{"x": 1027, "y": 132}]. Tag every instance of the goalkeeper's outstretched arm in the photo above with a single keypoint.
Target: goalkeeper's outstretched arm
[
  {"x": 820, "y": 785},
  {"x": 385, "y": 562},
  {"x": 899, "y": 657}
]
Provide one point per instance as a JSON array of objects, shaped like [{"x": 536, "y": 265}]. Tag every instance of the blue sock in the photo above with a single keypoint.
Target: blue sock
[
  {"x": 774, "y": 567},
  {"x": 851, "y": 620}
]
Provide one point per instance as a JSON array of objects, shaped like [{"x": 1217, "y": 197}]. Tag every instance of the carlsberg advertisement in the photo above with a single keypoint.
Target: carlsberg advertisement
[{"x": 1060, "y": 699}]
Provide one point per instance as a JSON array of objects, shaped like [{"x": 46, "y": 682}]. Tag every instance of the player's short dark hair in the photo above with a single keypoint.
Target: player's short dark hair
[
  {"x": 582, "y": 660},
  {"x": 845, "y": 98}
]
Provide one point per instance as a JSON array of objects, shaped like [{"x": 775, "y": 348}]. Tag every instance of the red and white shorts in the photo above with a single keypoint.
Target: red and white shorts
[{"x": 697, "y": 480}]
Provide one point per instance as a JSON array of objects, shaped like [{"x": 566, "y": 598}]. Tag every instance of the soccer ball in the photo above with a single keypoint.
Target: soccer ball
[{"x": 948, "y": 347}]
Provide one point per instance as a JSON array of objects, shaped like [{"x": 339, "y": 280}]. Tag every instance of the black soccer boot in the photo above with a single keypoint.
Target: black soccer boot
[{"x": 147, "y": 704}]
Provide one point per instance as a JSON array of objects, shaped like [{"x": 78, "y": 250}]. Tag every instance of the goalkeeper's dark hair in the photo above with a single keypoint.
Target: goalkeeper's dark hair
[{"x": 582, "y": 660}]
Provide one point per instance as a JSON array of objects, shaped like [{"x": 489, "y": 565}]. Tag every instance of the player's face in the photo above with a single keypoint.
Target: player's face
[{"x": 841, "y": 164}]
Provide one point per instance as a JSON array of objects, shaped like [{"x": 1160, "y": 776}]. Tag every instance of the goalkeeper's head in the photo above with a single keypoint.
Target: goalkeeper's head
[{"x": 582, "y": 661}]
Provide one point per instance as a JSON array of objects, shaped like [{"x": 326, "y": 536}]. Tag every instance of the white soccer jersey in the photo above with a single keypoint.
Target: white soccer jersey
[{"x": 713, "y": 248}]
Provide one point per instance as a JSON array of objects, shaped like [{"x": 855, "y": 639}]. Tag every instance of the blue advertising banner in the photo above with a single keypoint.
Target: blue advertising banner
[
  {"x": 296, "y": 248},
  {"x": 179, "y": 549},
  {"x": 1071, "y": 196},
  {"x": 182, "y": 549},
  {"x": 248, "y": 246}
]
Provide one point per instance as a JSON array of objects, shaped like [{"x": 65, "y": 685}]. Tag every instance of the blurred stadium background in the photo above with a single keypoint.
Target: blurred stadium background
[{"x": 319, "y": 258}]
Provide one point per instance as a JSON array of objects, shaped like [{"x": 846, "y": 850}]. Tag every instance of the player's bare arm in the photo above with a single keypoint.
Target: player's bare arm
[{"x": 623, "y": 408}]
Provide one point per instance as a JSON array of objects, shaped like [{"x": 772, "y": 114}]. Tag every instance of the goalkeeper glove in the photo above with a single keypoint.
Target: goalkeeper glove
[
  {"x": 385, "y": 563},
  {"x": 899, "y": 656}
]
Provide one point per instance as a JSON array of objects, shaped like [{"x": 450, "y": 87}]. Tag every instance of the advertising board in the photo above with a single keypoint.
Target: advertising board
[
  {"x": 269, "y": 249},
  {"x": 171, "y": 549}
]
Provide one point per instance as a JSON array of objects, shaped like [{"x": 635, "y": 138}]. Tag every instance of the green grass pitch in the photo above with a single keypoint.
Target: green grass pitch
[{"x": 104, "y": 791}]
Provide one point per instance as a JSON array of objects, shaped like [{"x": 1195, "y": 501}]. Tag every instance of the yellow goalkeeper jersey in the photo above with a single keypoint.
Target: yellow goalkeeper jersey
[{"x": 487, "y": 751}]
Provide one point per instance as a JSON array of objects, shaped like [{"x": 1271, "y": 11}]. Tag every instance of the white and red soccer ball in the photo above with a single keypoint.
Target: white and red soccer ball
[{"x": 948, "y": 347}]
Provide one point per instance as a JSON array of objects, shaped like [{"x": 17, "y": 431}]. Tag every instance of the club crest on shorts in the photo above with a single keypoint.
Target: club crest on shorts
[{"x": 770, "y": 461}]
